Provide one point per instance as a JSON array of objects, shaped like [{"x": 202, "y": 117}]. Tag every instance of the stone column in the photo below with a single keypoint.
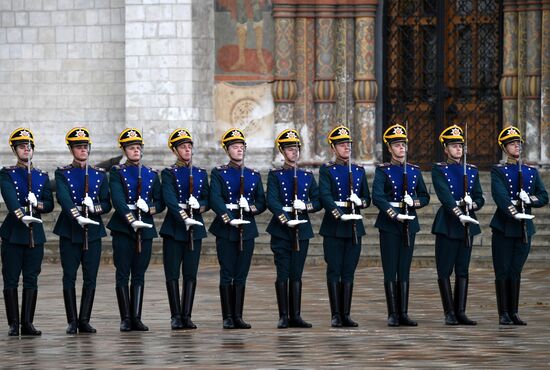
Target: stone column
[
  {"x": 365, "y": 88},
  {"x": 509, "y": 81},
  {"x": 325, "y": 91},
  {"x": 545, "y": 83},
  {"x": 531, "y": 80},
  {"x": 284, "y": 86}
]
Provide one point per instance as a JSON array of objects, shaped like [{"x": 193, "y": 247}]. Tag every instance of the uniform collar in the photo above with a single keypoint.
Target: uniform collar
[
  {"x": 511, "y": 160},
  {"x": 452, "y": 161},
  {"x": 340, "y": 161},
  {"x": 181, "y": 163},
  {"x": 287, "y": 166},
  {"x": 75, "y": 164},
  {"x": 233, "y": 165},
  {"x": 130, "y": 163},
  {"x": 396, "y": 163},
  {"x": 22, "y": 164}
]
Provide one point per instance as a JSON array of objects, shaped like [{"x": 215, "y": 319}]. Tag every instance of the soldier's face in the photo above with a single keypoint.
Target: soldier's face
[
  {"x": 185, "y": 151},
  {"x": 80, "y": 152},
  {"x": 512, "y": 148},
  {"x": 24, "y": 151},
  {"x": 454, "y": 151},
  {"x": 236, "y": 151},
  {"x": 133, "y": 152},
  {"x": 342, "y": 150},
  {"x": 398, "y": 149},
  {"x": 291, "y": 153}
]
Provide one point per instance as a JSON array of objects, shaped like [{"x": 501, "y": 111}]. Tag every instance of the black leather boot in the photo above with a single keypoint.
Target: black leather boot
[
  {"x": 501, "y": 287},
  {"x": 69, "y": 297},
  {"x": 226, "y": 298},
  {"x": 27, "y": 312},
  {"x": 238, "y": 308},
  {"x": 281, "y": 291},
  {"x": 11, "y": 301},
  {"x": 347, "y": 293},
  {"x": 136, "y": 297},
  {"x": 187, "y": 303},
  {"x": 391, "y": 301},
  {"x": 447, "y": 301},
  {"x": 461, "y": 295},
  {"x": 514, "y": 286},
  {"x": 403, "y": 303},
  {"x": 86, "y": 305},
  {"x": 334, "y": 298},
  {"x": 173, "y": 290},
  {"x": 123, "y": 299},
  {"x": 295, "y": 299}
]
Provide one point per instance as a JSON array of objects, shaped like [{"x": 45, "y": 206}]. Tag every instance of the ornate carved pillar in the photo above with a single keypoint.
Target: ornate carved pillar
[
  {"x": 284, "y": 86},
  {"x": 365, "y": 88},
  {"x": 325, "y": 90},
  {"x": 545, "y": 84},
  {"x": 531, "y": 78},
  {"x": 509, "y": 81}
]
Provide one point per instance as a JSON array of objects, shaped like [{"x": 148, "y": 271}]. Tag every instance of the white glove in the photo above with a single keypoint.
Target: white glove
[
  {"x": 294, "y": 223},
  {"x": 299, "y": 205},
  {"x": 523, "y": 216},
  {"x": 468, "y": 202},
  {"x": 190, "y": 222},
  {"x": 83, "y": 221},
  {"x": 467, "y": 220},
  {"x": 522, "y": 195},
  {"x": 140, "y": 225},
  {"x": 28, "y": 219},
  {"x": 193, "y": 203},
  {"x": 243, "y": 203},
  {"x": 401, "y": 217},
  {"x": 355, "y": 199},
  {"x": 237, "y": 222},
  {"x": 408, "y": 200},
  {"x": 141, "y": 204},
  {"x": 88, "y": 202},
  {"x": 349, "y": 217},
  {"x": 32, "y": 199}
]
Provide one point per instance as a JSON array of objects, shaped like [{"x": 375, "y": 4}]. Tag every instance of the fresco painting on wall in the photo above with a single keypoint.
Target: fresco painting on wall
[{"x": 244, "y": 40}]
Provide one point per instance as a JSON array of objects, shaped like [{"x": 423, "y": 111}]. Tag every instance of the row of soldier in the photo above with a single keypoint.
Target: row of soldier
[{"x": 235, "y": 193}]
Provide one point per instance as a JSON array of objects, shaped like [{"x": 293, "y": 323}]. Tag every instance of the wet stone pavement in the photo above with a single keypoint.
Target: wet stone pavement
[{"x": 373, "y": 344}]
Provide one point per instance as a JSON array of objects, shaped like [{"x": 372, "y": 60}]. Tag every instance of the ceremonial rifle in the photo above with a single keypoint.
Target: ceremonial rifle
[
  {"x": 296, "y": 245},
  {"x": 521, "y": 204},
  {"x": 465, "y": 184},
  {"x": 29, "y": 184},
  {"x": 241, "y": 210},
  {"x": 139, "y": 187},
  {"x": 84, "y": 207},
  {"x": 191, "y": 245},
  {"x": 406, "y": 228},
  {"x": 350, "y": 180}
]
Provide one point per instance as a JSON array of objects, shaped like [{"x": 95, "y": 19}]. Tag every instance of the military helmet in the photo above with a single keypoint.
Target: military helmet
[
  {"x": 130, "y": 136},
  {"x": 509, "y": 134},
  {"x": 452, "y": 134},
  {"x": 179, "y": 136},
  {"x": 340, "y": 134},
  {"x": 78, "y": 136},
  {"x": 288, "y": 137},
  {"x": 21, "y": 135},
  {"x": 232, "y": 136},
  {"x": 394, "y": 134}
]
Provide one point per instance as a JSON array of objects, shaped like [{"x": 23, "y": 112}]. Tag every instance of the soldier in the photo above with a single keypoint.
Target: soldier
[
  {"x": 397, "y": 222},
  {"x": 343, "y": 190},
  {"x": 455, "y": 227},
  {"x": 512, "y": 224},
  {"x": 136, "y": 195},
  {"x": 22, "y": 232},
  {"x": 83, "y": 193},
  {"x": 236, "y": 196},
  {"x": 185, "y": 192},
  {"x": 291, "y": 194}
]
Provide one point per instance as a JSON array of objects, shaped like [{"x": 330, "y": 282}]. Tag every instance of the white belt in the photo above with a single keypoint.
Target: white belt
[
  {"x": 459, "y": 203},
  {"x": 342, "y": 204},
  {"x": 79, "y": 208},
  {"x": 132, "y": 207},
  {"x": 396, "y": 204},
  {"x": 232, "y": 206},
  {"x": 182, "y": 205},
  {"x": 288, "y": 209},
  {"x": 514, "y": 202}
]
